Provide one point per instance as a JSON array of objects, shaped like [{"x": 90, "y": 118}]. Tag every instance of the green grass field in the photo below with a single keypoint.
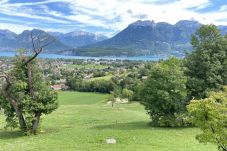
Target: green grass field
[{"x": 83, "y": 121}]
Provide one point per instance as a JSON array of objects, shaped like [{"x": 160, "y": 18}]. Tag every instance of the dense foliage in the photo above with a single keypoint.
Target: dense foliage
[
  {"x": 207, "y": 64},
  {"x": 210, "y": 116},
  {"x": 25, "y": 95},
  {"x": 164, "y": 93},
  {"x": 102, "y": 86},
  {"x": 206, "y": 70}
]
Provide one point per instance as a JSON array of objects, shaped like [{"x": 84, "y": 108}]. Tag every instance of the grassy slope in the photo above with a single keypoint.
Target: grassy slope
[{"x": 83, "y": 122}]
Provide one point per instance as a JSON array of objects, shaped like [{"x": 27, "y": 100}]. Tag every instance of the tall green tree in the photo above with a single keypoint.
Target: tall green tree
[
  {"x": 207, "y": 64},
  {"x": 210, "y": 116},
  {"x": 25, "y": 94},
  {"x": 164, "y": 93}
]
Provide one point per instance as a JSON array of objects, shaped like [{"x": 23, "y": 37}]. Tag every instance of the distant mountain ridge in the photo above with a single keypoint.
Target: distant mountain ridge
[
  {"x": 63, "y": 42},
  {"x": 24, "y": 41},
  {"x": 10, "y": 41},
  {"x": 146, "y": 38},
  {"x": 78, "y": 38},
  {"x": 138, "y": 39}
]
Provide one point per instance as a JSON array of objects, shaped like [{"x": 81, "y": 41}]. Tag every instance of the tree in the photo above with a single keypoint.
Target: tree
[
  {"x": 224, "y": 68},
  {"x": 126, "y": 93},
  {"x": 207, "y": 64},
  {"x": 210, "y": 116},
  {"x": 164, "y": 93},
  {"x": 25, "y": 96}
]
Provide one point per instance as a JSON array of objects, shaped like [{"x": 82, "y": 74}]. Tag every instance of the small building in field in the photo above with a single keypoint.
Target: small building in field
[
  {"x": 59, "y": 87},
  {"x": 144, "y": 77}
]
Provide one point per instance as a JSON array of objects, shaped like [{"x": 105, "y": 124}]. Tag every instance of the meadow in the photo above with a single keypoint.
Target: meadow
[{"x": 84, "y": 121}]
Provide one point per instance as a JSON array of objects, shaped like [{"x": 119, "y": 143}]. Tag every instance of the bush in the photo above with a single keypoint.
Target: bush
[
  {"x": 164, "y": 94},
  {"x": 210, "y": 116},
  {"x": 102, "y": 86},
  {"x": 176, "y": 120},
  {"x": 99, "y": 74},
  {"x": 127, "y": 94}
]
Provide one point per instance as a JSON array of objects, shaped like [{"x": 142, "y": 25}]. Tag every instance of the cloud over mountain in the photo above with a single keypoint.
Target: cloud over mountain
[{"x": 101, "y": 16}]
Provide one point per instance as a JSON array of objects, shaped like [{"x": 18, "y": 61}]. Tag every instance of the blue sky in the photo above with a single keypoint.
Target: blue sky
[{"x": 104, "y": 16}]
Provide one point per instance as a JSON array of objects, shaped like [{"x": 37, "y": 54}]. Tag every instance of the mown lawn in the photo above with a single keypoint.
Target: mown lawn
[{"x": 83, "y": 122}]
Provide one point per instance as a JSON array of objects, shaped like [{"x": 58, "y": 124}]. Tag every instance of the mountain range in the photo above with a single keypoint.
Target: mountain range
[
  {"x": 62, "y": 42},
  {"x": 147, "y": 38},
  {"x": 139, "y": 38},
  {"x": 78, "y": 38}
]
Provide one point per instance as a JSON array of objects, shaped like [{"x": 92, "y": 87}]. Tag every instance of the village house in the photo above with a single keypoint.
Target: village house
[{"x": 59, "y": 87}]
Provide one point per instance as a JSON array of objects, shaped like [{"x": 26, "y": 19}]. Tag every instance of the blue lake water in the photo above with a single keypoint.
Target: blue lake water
[{"x": 56, "y": 56}]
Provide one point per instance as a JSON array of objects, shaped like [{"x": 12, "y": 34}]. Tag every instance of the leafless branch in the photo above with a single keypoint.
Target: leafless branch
[
  {"x": 33, "y": 43},
  {"x": 37, "y": 48},
  {"x": 48, "y": 43}
]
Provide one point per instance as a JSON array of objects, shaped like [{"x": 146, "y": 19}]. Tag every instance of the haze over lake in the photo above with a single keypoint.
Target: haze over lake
[{"x": 56, "y": 56}]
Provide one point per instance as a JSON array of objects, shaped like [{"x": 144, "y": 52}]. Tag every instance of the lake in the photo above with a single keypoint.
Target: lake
[{"x": 56, "y": 56}]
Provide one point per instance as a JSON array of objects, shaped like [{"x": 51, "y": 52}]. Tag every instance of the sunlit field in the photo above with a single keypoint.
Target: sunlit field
[{"x": 84, "y": 121}]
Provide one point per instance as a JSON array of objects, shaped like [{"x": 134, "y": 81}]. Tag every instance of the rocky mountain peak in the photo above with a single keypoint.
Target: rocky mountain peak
[{"x": 144, "y": 23}]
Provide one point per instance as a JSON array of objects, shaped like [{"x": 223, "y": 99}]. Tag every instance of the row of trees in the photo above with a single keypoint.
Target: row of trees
[
  {"x": 101, "y": 86},
  {"x": 200, "y": 77}
]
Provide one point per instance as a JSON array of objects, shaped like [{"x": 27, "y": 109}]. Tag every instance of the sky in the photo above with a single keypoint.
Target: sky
[{"x": 105, "y": 16}]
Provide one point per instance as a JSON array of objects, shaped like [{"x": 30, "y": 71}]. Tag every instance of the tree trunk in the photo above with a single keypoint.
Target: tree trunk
[
  {"x": 22, "y": 123},
  {"x": 223, "y": 147},
  {"x": 19, "y": 114},
  {"x": 18, "y": 111},
  {"x": 35, "y": 122},
  {"x": 29, "y": 76}
]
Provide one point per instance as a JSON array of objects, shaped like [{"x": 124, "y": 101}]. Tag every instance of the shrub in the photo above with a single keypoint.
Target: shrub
[
  {"x": 164, "y": 93},
  {"x": 210, "y": 116}
]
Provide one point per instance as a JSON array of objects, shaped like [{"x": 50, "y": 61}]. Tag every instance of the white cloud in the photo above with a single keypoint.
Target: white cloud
[
  {"x": 223, "y": 8},
  {"x": 18, "y": 28},
  {"x": 169, "y": 12},
  {"x": 5, "y": 2},
  {"x": 18, "y": 9},
  {"x": 15, "y": 28},
  {"x": 114, "y": 15}
]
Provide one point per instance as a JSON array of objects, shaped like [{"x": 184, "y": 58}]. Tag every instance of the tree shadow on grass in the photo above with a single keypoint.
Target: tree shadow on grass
[
  {"x": 125, "y": 126},
  {"x": 10, "y": 134},
  {"x": 5, "y": 134},
  {"x": 140, "y": 125}
]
